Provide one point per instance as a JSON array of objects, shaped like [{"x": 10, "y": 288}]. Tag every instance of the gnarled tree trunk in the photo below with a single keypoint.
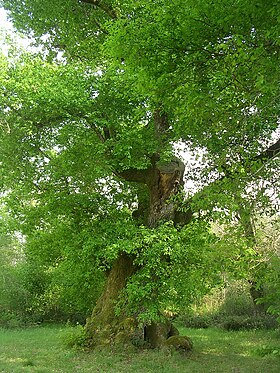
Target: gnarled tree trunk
[
  {"x": 163, "y": 181},
  {"x": 104, "y": 326}
]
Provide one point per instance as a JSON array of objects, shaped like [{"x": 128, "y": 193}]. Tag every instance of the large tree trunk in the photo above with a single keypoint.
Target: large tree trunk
[
  {"x": 163, "y": 182},
  {"x": 104, "y": 326}
]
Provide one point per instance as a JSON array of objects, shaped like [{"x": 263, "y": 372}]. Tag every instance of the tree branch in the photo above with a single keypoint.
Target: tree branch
[
  {"x": 269, "y": 153},
  {"x": 106, "y": 8},
  {"x": 161, "y": 122},
  {"x": 263, "y": 158},
  {"x": 98, "y": 133},
  {"x": 133, "y": 174}
]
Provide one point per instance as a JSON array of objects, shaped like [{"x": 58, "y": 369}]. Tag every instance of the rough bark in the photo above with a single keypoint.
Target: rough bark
[
  {"x": 104, "y": 327},
  {"x": 162, "y": 181}
]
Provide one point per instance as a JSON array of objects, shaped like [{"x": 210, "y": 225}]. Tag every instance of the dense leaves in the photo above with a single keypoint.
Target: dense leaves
[{"x": 114, "y": 86}]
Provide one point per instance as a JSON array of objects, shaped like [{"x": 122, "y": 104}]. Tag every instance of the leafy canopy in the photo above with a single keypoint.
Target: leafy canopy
[{"x": 81, "y": 112}]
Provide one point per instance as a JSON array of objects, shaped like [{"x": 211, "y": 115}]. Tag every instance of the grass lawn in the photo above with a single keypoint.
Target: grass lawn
[{"x": 41, "y": 350}]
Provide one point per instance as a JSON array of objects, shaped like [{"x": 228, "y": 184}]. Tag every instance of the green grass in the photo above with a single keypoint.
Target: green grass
[{"x": 41, "y": 350}]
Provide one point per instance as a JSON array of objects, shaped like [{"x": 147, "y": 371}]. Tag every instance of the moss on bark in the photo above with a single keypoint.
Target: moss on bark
[
  {"x": 104, "y": 327},
  {"x": 180, "y": 343}
]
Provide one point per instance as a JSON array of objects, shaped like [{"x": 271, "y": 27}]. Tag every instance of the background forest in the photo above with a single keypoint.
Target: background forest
[{"x": 140, "y": 166}]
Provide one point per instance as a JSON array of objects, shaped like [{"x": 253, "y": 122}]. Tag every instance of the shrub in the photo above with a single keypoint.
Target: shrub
[
  {"x": 237, "y": 300},
  {"x": 231, "y": 308},
  {"x": 75, "y": 337},
  {"x": 10, "y": 320},
  {"x": 268, "y": 350},
  {"x": 200, "y": 321},
  {"x": 247, "y": 323}
]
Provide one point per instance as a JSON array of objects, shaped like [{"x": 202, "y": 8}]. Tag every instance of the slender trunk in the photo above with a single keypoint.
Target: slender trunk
[
  {"x": 256, "y": 288},
  {"x": 257, "y": 292}
]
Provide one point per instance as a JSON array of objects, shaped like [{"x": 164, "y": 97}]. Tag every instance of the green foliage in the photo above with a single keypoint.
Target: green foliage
[
  {"x": 36, "y": 287},
  {"x": 196, "y": 321},
  {"x": 269, "y": 231},
  {"x": 13, "y": 295},
  {"x": 229, "y": 322},
  {"x": 230, "y": 308},
  {"x": 73, "y": 126},
  {"x": 174, "y": 269},
  {"x": 266, "y": 350},
  {"x": 10, "y": 320},
  {"x": 40, "y": 295},
  {"x": 237, "y": 300},
  {"x": 247, "y": 323},
  {"x": 74, "y": 337},
  {"x": 273, "y": 295},
  {"x": 189, "y": 56},
  {"x": 175, "y": 55}
]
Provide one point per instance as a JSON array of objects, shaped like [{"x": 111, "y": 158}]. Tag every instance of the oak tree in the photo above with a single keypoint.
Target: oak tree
[{"x": 89, "y": 129}]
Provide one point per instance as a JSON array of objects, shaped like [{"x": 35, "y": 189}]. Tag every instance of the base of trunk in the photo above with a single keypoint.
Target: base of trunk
[
  {"x": 157, "y": 334},
  {"x": 126, "y": 333},
  {"x": 121, "y": 332},
  {"x": 105, "y": 328}
]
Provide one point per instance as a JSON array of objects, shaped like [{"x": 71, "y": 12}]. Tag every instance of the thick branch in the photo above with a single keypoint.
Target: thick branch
[
  {"x": 133, "y": 174},
  {"x": 103, "y": 134},
  {"x": 98, "y": 133},
  {"x": 263, "y": 158},
  {"x": 269, "y": 153}
]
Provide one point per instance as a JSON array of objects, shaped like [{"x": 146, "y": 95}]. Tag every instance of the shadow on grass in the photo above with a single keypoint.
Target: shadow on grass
[{"x": 236, "y": 352}]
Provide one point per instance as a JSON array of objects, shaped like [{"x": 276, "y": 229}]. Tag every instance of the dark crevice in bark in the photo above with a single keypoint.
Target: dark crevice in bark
[{"x": 164, "y": 182}]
